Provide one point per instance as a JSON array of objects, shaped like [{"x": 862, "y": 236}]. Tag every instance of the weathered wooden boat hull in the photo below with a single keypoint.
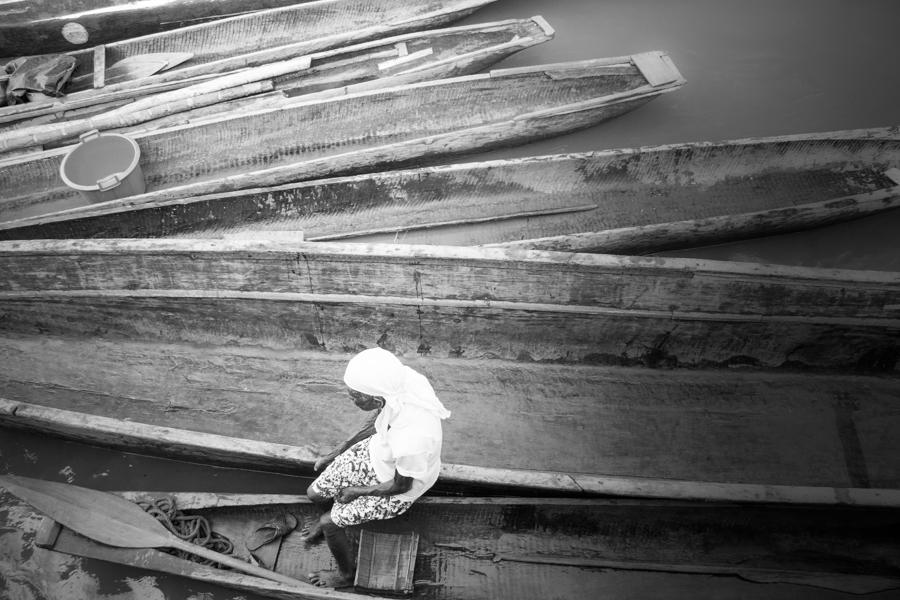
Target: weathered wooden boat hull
[
  {"x": 260, "y": 37},
  {"x": 386, "y": 62},
  {"x": 40, "y": 26},
  {"x": 531, "y": 548},
  {"x": 530, "y": 350},
  {"x": 622, "y": 201},
  {"x": 362, "y": 131}
]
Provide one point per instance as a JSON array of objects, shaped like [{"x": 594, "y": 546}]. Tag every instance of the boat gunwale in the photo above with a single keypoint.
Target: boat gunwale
[
  {"x": 111, "y": 432},
  {"x": 508, "y": 257}
]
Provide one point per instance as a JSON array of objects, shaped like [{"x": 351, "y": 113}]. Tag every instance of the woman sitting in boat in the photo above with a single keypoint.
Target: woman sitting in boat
[{"x": 379, "y": 472}]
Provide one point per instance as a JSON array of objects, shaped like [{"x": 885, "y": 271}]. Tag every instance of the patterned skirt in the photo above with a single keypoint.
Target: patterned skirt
[{"x": 352, "y": 468}]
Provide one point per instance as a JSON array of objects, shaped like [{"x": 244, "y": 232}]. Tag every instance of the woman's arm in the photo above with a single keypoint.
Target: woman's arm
[
  {"x": 398, "y": 485},
  {"x": 368, "y": 429}
]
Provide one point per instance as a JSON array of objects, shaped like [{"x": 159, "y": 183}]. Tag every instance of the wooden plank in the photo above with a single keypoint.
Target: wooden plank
[
  {"x": 99, "y": 73},
  {"x": 656, "y": 67},
  {"x": 721, "y": 229},
  {"x": 470, "y": 221},
  {"x": 47, "y": 533},
  {"x": 405, "y": 59}
]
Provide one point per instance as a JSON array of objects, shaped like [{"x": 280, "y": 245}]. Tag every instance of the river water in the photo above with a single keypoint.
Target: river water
[{"x": 759, "y": 68}]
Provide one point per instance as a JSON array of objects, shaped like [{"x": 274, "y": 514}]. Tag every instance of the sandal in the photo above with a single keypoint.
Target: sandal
[{"x": 275, "y": 529}]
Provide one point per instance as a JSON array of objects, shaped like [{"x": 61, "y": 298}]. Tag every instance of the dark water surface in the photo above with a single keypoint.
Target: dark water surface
[{"x": 753, "y": 68}]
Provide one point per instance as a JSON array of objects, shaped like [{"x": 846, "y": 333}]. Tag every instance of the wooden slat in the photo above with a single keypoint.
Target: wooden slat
[
  {"x": 99, "y": 66},
  {"x": 656, "y": 67}
]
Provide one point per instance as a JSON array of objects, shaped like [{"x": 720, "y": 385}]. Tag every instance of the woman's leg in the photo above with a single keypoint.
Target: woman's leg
[{"x": 341, "y": 550}]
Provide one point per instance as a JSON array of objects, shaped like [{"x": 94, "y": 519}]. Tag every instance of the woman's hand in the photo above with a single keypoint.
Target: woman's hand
[
  {"x": 324, "y": 461},
  {"x": 349, "y": 494}
]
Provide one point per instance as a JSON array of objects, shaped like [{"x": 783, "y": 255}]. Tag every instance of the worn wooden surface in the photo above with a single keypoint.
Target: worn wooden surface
[
  {"x": 275, "y": 34},
  {"x": 36, "y": 26},
  {"x": 527, "y": 548},
  {"x": 734, "y": 427},
  {"x": 114, "y": 521},
  {"x": 355, "y": 132},
  {"x": 295, "y": 30},
  {"x": 455, "y": 302},
  {"x": 227, "y": 337},
  {"x": 618, "y": 200},
  {"x": 450, "y": 52}
]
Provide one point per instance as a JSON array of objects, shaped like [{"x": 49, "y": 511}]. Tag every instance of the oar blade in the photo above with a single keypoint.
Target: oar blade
[{"x": 103, "y": 517}]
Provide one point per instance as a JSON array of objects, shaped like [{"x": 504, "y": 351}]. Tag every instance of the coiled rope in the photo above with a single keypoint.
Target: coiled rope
[{"x": 191, "y": 528}]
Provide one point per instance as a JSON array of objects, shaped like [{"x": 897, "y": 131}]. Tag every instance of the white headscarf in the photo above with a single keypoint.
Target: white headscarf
[{"x": 377, "y": 372}]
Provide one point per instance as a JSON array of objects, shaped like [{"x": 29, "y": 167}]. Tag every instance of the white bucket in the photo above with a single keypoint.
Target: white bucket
[{"x": 103, "y": 166}]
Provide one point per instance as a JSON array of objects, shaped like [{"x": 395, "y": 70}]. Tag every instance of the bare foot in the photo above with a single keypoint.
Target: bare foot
[
  {"x": 333, "y": 579},
  {"x": 311, "y": 533}
]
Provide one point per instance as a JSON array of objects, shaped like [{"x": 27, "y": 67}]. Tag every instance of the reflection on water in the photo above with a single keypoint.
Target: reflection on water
[{"x": 753, "y": 69}]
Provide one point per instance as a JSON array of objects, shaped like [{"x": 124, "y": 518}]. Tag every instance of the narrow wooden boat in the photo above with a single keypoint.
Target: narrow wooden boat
[
  {"x": 40, "y": 26},
  {"x": 361, "y": 131},
  {"x": 233, "y": 351},
  {"x": 402, "y": 59},
  {"x": 633, "y": 201},
  {"x": 263, "y": 36},
  {"x": 509, "y": 547}
]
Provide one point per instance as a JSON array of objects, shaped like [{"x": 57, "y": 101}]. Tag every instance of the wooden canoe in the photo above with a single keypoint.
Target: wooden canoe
[
  {"x": 263, "y": 36},
  {"x": 233, "y": 351},
  {"x": 629, "y": 201},
  {"x": 40, "y": 26},
  {"x": 523, "y": 548},
  {"x": 361, "y": 131},
  {"x": 147, "y": 105}
]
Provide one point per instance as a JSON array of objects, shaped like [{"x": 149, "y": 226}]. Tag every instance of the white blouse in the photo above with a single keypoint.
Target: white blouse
[{"x": 408, "y": 443}]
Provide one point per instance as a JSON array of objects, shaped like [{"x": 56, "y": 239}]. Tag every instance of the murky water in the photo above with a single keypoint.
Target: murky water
[{"x": 757, "y": 68}]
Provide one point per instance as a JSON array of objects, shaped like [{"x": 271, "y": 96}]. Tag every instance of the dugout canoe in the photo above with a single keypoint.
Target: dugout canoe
[
  {"x": 628, "y": 201},
  {"x": 263, "y": 36},
  {"x": 41, "y": 26},
  {"x": 233, "y": 351},
  {"x": 386, "y": 62},
  {"x": 523, "y": 548},
  {"x": 362, "y": 131}
]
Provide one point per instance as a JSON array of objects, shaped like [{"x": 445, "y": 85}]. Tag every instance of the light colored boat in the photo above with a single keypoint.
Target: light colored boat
[
  {"x": 147, "y": 104},
  {"x": 233, "y": 351},
  {"x": 263, "y": 36}
]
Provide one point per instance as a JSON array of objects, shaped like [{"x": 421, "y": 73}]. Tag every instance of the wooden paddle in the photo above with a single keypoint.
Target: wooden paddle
[{"x": 115, "y": 521}]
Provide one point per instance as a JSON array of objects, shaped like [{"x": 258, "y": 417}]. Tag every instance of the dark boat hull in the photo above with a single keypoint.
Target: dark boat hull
[
  {"x": 43, "y": 26},
  {"x": 472, "y": 548}
]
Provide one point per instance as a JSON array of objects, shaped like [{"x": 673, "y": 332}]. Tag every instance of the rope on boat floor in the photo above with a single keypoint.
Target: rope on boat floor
[{"x": 191, "y": 528}]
